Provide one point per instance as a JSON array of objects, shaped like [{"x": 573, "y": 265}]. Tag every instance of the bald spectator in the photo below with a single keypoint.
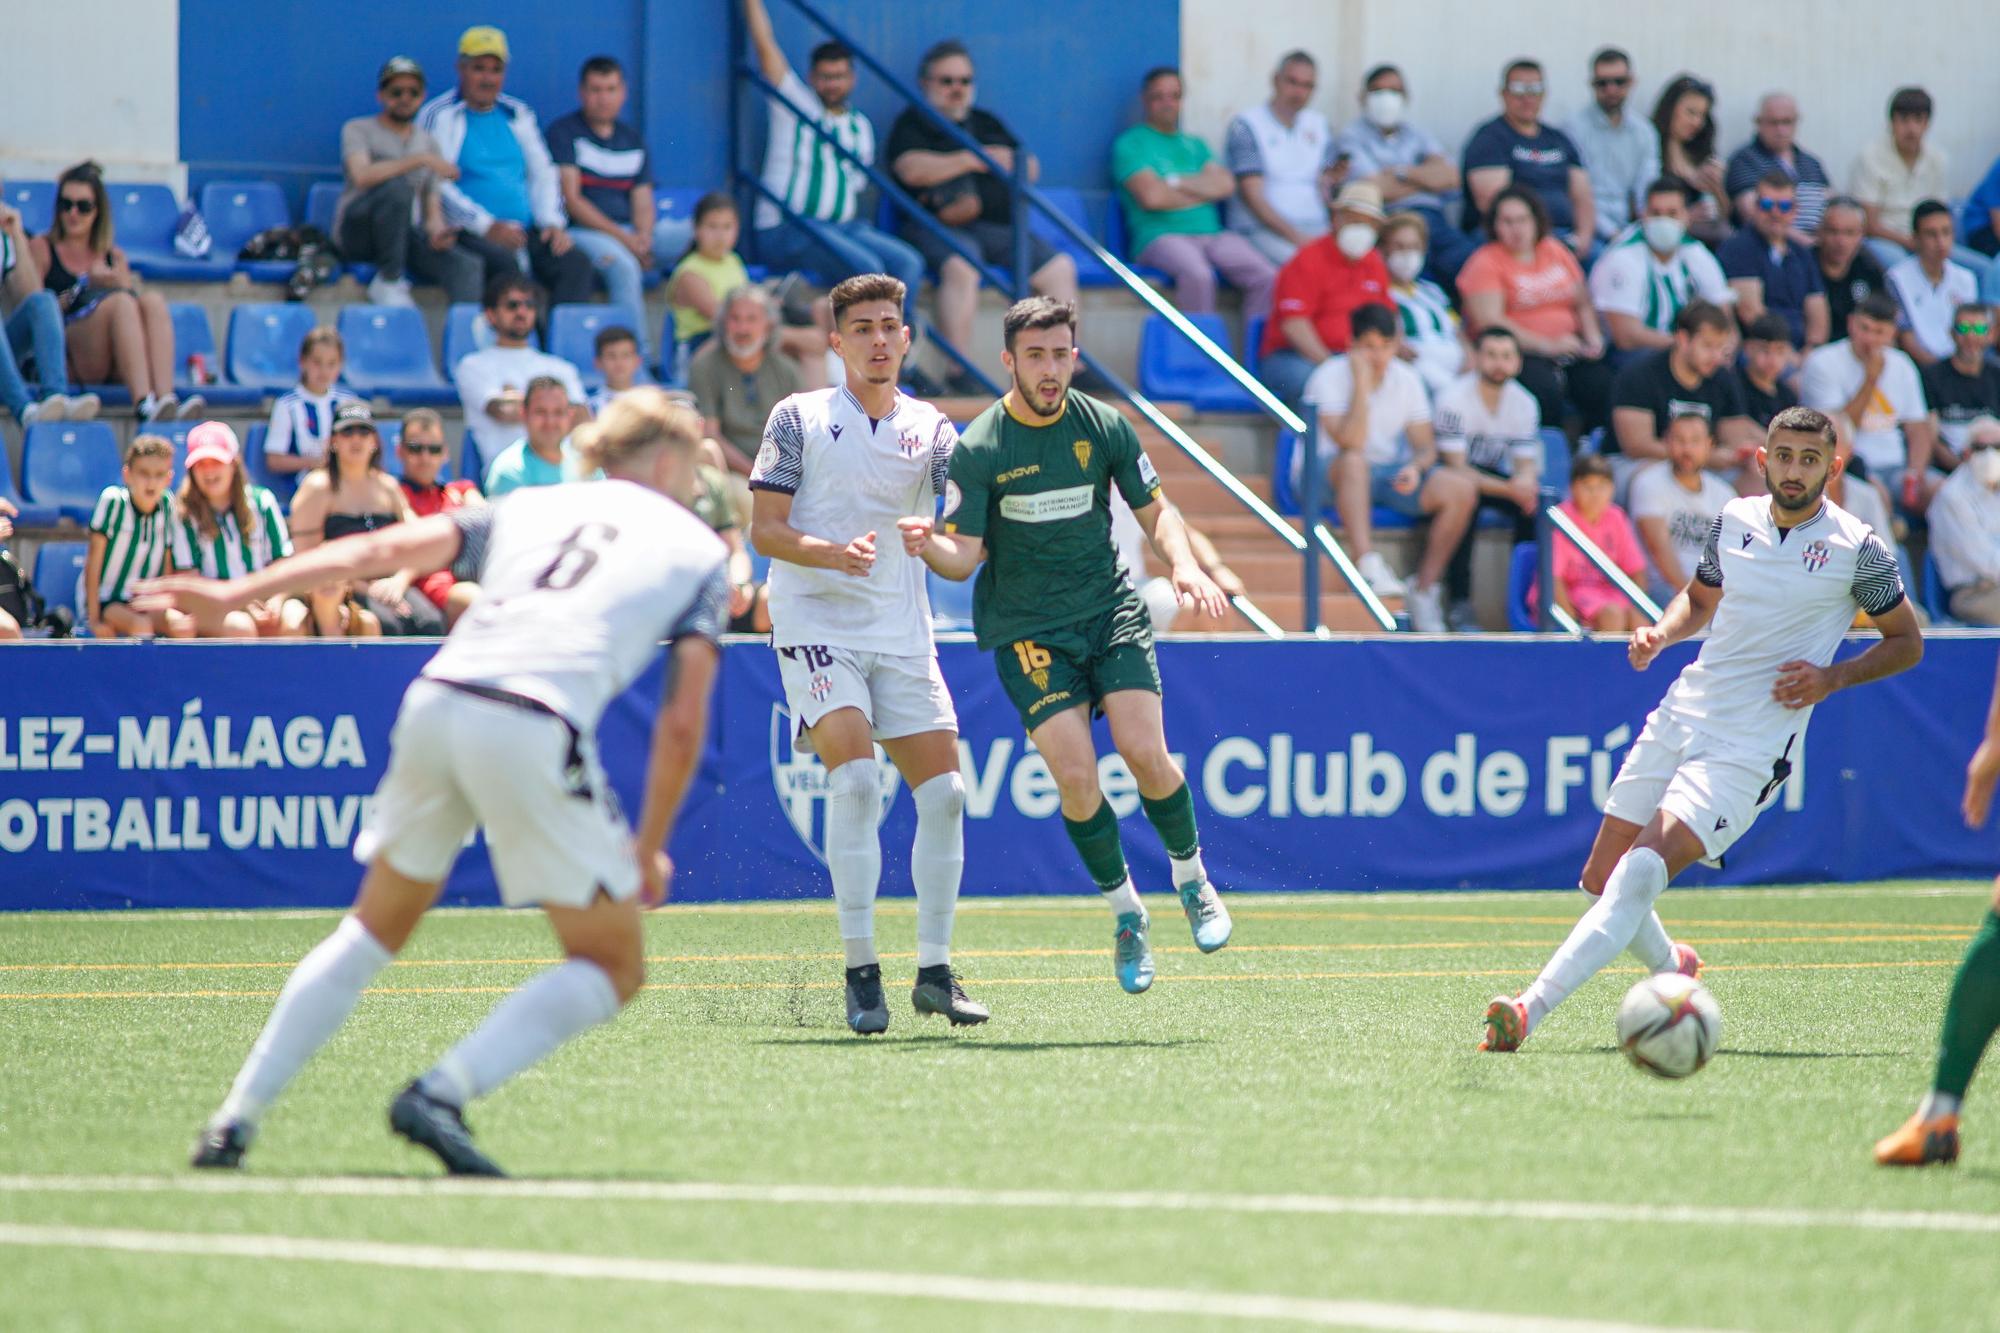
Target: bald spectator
[
  {"x": 1620, "y": 151},
  {"x": 1965, "y": 529},
  {"x": 507, "y": 200},
  {"x": 1282, "y": 154},
  {"x": 1774, "y": 148},
  {"x": 1516, "y": 148},
  {"x": 1169, "y": 184},
  {"x": 1406, "y": 165}
]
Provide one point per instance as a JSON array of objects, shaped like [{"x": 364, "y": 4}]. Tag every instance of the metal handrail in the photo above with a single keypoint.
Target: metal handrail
[{"x": 1558, "y": 521}]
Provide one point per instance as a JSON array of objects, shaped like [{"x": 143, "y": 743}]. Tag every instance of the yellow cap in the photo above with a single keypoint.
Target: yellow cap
[{"x": 483, "y": 40}]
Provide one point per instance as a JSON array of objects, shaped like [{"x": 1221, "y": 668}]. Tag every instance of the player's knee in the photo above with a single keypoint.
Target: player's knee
[
  {"x": 1592, "y": 880},
  {"x": 1075, "y": 778},
  {"x": 942, "y": 798},
  {"x": 1153, "y": 767},
  {"x": 857, "y": 780}
]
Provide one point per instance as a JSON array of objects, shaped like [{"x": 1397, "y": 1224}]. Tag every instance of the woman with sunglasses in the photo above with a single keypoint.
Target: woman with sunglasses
[
  {"x": 112, "y": 327},
  {"x": 349, "y": 493},
  {"x": 1684, "y": 117}
]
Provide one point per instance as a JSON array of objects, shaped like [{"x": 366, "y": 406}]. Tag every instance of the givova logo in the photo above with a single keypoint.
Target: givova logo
[{"x": 801, "y": 778}]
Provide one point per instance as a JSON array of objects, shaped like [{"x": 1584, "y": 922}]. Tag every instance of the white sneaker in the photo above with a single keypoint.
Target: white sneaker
[
  {"x": 190, "y": 407},
  {"x": 82, "y": 406},
  {"x": 390, "y": 291},
  {"x": 1381, "y": 579},
  {"x": 1426, "y": 608},
  {"x": 52, "y": 408}
]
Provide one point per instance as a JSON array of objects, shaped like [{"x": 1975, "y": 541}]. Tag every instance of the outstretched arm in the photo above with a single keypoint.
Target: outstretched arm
[
  {"x": 770, "y": 57},
  {"x": 427, "y": 545}
]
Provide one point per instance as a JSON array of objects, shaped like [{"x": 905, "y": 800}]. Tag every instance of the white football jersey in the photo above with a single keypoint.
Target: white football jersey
[
  {"x": 1785, "y": 596},
  {"x": 847, "y": 477},
  {"x": 579, "y": 583}
]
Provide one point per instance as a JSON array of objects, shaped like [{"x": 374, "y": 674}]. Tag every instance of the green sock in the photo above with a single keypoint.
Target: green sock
[
  {"x": 1173, "y": 818},
  {"x": 1974, "y": 1012},
  {"x": 1096, "y": 840}
]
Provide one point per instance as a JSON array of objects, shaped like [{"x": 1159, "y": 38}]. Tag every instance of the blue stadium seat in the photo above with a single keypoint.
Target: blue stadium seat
[
  {"x": 470, "y": 462},
  {"x": 1286, "y": 501},
  {"x": 237, "y": 210},
  {"x": 321, "y": 196},
  {"x": 1090, "y": 271},
  {"x": 68, "y": 463},
  {"x": 389, "y": 353},
  {"x": 35, "y": 201},
  {"x": 58, "y": 574},
  {"x": 1253, "y": 345},
  {"x": 1555, "y": 458},
  {"x": 193, "y": 334},
  {"x": 279, "y": 484},
  {"x": 1937, "y": 601},
  {"x": 459, "y": 339},
  {"x": 391, "y": 431},
  {"x": 26, "y": 515},
  {"x": 143, "y": 217},
  {"x": 1115, "y": 239},
  {"x": 676, "y": 202},
  {"x": 176, "y": 434},
  {"x": 264, "y": 338},
  {"x": 1520, "y": 578},
  {"x": 951, "y": 602},
  {"x": 573, "y": 330},
  {"x": 1171, "y": 367}
]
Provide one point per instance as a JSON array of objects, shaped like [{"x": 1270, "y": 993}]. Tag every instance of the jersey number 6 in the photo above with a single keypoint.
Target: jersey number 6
[{"x": 576, "y": 557}]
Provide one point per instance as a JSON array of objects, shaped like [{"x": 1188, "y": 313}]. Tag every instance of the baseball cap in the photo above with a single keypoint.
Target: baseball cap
[
  {"x": 396, "y": 67},
  {"x": 352, "y": 413},
  {"x": 483, "y": 40},
  {"x": 211, "y": 442},
  {"x": 1363, "y": 197}
]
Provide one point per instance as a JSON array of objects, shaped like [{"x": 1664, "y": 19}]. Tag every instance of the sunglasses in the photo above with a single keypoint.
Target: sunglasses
[
  {"x": 69, "y": 205},
  {"x": 1618, "y": 81},
  {"x": 518, "y": 303},
  {"x": 1972, "y": 330},
  {"x": 1525, "y": 89},
  {"x": 424, "y": 448},
  {"x": 404, "y": 91},
  {"x": 1777, "y": 205},
  {"x": 953, "y": 80}
]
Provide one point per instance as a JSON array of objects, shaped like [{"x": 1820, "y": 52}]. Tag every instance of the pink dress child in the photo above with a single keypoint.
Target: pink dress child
[{"x": 1589, "y": 591}]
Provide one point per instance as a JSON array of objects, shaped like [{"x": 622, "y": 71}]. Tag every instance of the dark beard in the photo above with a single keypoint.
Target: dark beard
[{"x": 1028, "y": 401}]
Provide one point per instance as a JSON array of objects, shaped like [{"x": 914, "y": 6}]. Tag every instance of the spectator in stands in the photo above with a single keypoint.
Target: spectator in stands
[
  {"x": 1980, "y": 222},
  {"x": 709, "y": 271},
  {"x": 507, "y": 200},
  {"x": 1769, "y": 269},
  {"x": 1374, "y": 438},
  {"x": 1674, "y": 503},
  {"x": 1318, "y": 291},
  {"x": 607, "y": 187},
  {"x": 1515, "y": 149},
  {"x": 1526, "y": 281},
  {"x": 1281, "y": 153},
  {"x": 1621, "y": 153},
  {"x": 541, "y": 457},
  {"x": 1690, "y": 377},
  {"x": 615, "y": 353},
  {"x": 1895, "y": 173},
  {"x": 225, "y": 528},
  {"x": 1650, "y": 273},
  {"x": 822, "y": 187},
  {"x": 1965, "y": 529},
  {"x": 131, "y": 536},
  {"x": 1685, "y": 122},
  {"x": 1581, "y": 589},
  {"x": 715, "y": 505},
  {"x": 1169, "y": 185},
  {"x": 1964, "y": 386},
  {"x": 1874, "y": 393},
  {"x": 33, "y": 337},
  {"x": 1432, "y": 340},
  {"x": 975, "y": 207},
  {"x": 1768, "y": 362},
  {"x": 1406, "y": 165},
  {"x": 739, "y": 377},
  {"x": 1929, "y": 286},
  {"x": 112, "y": 326},
  {"x": 350, "y": 492},
  {"x": 302, "y": 418},
  {"x": 490, "y": 381},
  {"x": 391, "y": 214},
  {"x": 1773, "y": 149},
  {"x": 1847, "y": 268},
  {"x": 421, "y": 451},
  {"x": 1489, "y": 428}
]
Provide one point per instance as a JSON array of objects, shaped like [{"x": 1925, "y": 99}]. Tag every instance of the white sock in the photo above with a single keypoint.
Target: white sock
[
  {"x": 854, "y": 853},
  {"x": 1652, "y": 946},
  {"x": 1603, "y": 932},
  {"x": 1936, "y": 1104},
  {"x": 937, "y": 862},
  {"x": 316, "y": 1000},
  {"x": 523, "y": 1029},
  {"x": 1124, "y": 899},
  {"x": 1188, "y": 870}
]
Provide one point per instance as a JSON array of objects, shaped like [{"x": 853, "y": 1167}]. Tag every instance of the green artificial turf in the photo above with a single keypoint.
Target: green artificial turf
[{"x": 1328, "y": 1052}]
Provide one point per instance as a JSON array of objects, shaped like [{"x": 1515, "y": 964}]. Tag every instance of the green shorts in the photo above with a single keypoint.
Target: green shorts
[{"x": 1080, "y": 663}]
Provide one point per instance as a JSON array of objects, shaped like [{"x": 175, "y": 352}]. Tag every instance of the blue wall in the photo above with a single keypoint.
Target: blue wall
[{"x": 267, "y": 98}]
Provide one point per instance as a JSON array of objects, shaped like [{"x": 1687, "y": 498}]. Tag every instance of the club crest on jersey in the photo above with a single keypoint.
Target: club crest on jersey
[
  {"x": 909, "y": 444},
  {"x": 1082, "y": 451},
  {"x": 1041, "y": 679},
  {"x": 800, "y": 779},
  {"x": 819, "y": 687},
  {"x": 1815, "y": 556}
]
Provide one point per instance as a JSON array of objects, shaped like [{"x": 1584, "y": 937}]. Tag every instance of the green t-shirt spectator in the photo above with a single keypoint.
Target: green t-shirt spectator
[{"x": 1143, "y": 148}]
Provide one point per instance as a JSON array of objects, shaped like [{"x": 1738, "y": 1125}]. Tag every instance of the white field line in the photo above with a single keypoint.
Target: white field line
[
  {"x": 770, "y": 1278},
  {"x": 1314, "y": 1205}
]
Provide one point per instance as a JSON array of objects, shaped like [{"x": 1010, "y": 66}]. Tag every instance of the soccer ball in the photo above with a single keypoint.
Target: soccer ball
[{"x": 1669, "y": 1025}]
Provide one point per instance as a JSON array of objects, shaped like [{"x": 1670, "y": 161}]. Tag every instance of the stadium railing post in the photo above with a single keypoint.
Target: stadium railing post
[
  {"x": 1018, "y": 188},
  {"x": 1545, "y": 562},
  {"x": 1307, "y": 455}
]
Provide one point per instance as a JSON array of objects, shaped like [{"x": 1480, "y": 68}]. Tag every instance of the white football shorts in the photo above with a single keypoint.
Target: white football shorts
[
  {"x": 1714, "y": 786},
  {"x": 900, "y": 696}
]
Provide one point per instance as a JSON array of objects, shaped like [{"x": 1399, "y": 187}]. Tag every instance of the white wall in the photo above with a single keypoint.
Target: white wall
[
  {"x": 91, "y": 79},
  {"x": 1841, "y": 61}
]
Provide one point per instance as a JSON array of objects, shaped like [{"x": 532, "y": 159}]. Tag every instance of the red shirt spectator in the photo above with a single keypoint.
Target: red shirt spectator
[
  {"x": 421, "y": 452},
  {"x": 435, "y": 499},
  {"x": 1325, "y": 286}
]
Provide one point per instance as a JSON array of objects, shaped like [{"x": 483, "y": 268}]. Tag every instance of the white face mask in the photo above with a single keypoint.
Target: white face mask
[
  {"x": 1985, "y": 465},
  {"x": 1383, "y": 108},
  {"x": 1664, "y": 235},
  {"x": 1404, "y": 265},
  {"x": 1355, "y": 239}
]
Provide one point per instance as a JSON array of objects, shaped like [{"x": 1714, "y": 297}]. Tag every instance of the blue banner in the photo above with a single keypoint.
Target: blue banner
[{"x": 232, "y": 775}]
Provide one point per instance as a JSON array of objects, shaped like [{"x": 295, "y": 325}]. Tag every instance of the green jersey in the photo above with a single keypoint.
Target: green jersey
[
  {"x": 1040, "y": 497},
  {"x": 229, "y": 552},
  {"x": 135, "y": 544}
]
